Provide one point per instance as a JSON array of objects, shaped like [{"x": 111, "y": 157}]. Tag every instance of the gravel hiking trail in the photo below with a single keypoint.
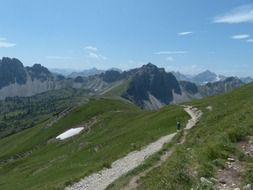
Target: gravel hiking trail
[
  {"x": 195, "y": 116},
  {"x": 103, "y": 178}
]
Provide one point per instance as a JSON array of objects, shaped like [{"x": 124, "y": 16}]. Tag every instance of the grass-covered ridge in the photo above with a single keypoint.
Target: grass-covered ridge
[
  {"x": 19, "y": 113},
  {"x": 35, "y": 161},
  {"x": 209, "y": 144}
]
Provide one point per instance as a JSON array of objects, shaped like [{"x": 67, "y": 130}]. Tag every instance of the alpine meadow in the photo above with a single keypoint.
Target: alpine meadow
[{"x": 126, "y": 95}]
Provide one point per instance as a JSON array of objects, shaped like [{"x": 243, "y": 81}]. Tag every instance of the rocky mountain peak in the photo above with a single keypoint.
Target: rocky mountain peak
[
  {"x": 205, "y": 77},
  {"x": 208, "y": 72},
  {"x": 37, "y": 71},
  {"x": 11, "y": 61},
  {"x": 150, "y": 65},
  {"x": 11, "y": 71},
  {"x": 17, "y": 80},
  {"x": 151, "y": 81},
  {"x": 150, "y": 68}
]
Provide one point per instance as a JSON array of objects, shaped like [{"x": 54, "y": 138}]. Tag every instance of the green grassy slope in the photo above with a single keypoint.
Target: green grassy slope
[
  {"x": 118, "y": 90},
  {"x": 31, "y": 159},
  {"x": 209, "y": 144},
  {"x": 19, "y": 113}
]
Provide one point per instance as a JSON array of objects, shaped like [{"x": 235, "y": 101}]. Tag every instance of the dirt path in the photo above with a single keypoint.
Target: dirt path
[
  {"x": 230, "y": 177},
  {"x": 105, "y": 177},
  {"x": 195, "y": 116}
]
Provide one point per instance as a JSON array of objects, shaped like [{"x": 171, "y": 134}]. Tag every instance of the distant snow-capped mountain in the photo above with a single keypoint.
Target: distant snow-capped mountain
[
  {"x": 86, "y": 73},
  {"x": 201, "y": 78},
  {"x": 206, "y": 77}
]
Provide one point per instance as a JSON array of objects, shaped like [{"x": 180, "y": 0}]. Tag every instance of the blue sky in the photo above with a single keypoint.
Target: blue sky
[{"x": 182, "y": 35}]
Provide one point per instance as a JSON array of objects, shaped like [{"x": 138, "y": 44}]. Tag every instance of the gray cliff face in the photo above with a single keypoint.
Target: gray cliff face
[
  {"x": 31, "y": 87},
  {"x": 152, "y": 86},
  {"x": 17, "y": 80},
  {"x": 11, "y": 71}
]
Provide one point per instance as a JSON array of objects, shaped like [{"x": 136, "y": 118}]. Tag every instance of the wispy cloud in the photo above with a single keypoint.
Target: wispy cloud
[
  {"x": 250, "y": 40},
  {"x": 184, "y": 33},
  {"x": 96, "y": 56},
  {"x": 240, "y": 14},
  {"x": 240, "y": 36},
  {"x": 93, "y": 53},
  {"x": 91, "y": 48},
  {"x": 56, "y": 57},
  {"x": 170, "y": 52},
  {"x": 5, "y": 44}
]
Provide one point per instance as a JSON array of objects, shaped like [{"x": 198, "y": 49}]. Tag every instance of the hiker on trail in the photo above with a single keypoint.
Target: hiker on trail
[{"x": 178, "y": 125}]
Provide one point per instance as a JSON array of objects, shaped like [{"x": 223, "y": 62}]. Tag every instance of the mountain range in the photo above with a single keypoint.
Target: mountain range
[{"x": 149, "y": 87}]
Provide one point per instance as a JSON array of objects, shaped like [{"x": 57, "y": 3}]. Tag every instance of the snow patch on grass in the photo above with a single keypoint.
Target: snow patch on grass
[{"x": 69, "y": 133}]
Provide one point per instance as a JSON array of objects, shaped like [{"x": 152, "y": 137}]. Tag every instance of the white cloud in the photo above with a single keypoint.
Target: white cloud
[
  {"x": 250, "y": 40},
  {"x": 93, "y": 52},
  {"x": 170, "y": 52},
  {"x": 56, "y": 57},
  {"x": 91, "y": 48},
  {"x": 240, "y": 36},
  {"x": 240, "y": 14},
  {"x": 5, "y": 44},
  {"x": 184, "y": 33},
  {"x": 93, "y": 55},
  {"x": 96, "y": 56},
  {"x": 170, "y": 59}
]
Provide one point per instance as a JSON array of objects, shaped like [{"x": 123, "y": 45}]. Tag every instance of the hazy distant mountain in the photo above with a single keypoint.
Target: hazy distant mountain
[
  {"x": 86, "y": 73},
  {"x": 201, "y": 78},
  {"x": 206, "y": 77},
  {"x": 182, "y": 77},
  {"x": 91, "y": 72},
  {"x": 64, "y": 72},
  {"x": 219, "y": 87},
  {"x": 246, "y": 79}
]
